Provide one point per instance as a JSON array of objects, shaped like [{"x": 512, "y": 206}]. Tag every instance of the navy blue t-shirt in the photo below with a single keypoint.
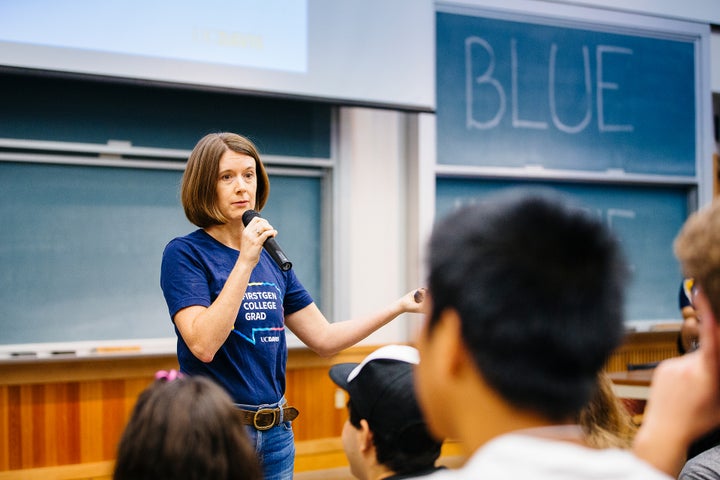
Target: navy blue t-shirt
[{"x": 251, "y": 363}]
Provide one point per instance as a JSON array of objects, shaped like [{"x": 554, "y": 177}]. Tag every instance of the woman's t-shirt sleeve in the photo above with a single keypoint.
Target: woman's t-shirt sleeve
[
  {"x": 296, "y": 297},
  {"x": 183, "y": 278}
]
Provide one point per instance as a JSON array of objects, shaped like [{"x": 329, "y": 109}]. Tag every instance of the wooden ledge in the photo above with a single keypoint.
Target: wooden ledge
[{"x": 138, "y": 365}]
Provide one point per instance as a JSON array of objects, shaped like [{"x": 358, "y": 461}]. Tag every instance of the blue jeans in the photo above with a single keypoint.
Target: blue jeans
[{"x": 275, "y": 447}]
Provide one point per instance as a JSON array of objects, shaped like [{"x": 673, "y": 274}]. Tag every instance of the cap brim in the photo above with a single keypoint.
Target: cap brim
[{"x": 339, "y": 374}]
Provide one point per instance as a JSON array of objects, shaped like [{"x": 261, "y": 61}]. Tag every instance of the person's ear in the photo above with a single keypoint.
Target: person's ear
[
  {"x": 702, "y": 306},
  {"x": 365, "y": 437},
  {"x": 462, "y": 359},
  {"x": 447, "y": 334}
]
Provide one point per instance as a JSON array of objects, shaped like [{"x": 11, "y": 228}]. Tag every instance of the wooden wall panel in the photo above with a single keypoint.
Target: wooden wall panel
[
  {"x": 24, "y": 450},
  {"x": 68, "y": 412},
  {"x": 37, "y": 410},
  {"x": 64, "y": 423},
  {"x": 73, "y": 412},
  {"x": 4, "y": 429},
  {"x": 113, "y": 416},
  {"x": 14, "y": 424},
  {"x": 66, "y": 434},
  {"x": 313, "y": 393},
  {"x": 643, "y": 347},
  {"x": 91, "y": 422}
]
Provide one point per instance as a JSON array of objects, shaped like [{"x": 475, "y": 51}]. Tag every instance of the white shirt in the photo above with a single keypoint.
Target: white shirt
[{"x": 517, "y": 456}]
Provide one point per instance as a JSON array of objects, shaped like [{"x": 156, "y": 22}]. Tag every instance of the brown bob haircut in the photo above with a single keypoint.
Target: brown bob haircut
[
  {"x": 198, "y": 190},
  {"x": 185, "y": 429}
]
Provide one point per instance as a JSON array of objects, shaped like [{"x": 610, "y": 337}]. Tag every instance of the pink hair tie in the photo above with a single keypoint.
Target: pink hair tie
[{"x": 168, "y": 375}]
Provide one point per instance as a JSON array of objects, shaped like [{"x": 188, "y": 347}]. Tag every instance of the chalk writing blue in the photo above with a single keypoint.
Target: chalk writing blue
[{"x": 519, "y": 93}]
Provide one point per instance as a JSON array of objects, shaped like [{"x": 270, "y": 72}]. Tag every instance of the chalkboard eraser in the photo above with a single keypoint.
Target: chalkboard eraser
[
  {"x": 117, "y": 349},
  {"x": 62, "y": 352},
  {"x": 23, "y": 354}
]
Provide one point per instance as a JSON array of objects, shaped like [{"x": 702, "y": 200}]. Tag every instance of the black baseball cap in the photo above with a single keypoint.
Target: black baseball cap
[{"x": 381, "y": 389}]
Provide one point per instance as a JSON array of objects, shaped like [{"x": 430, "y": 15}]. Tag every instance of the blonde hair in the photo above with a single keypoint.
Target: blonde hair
[
  {"x": 198, "y": 190},
  {"x": 697, "y": 246},
  {"x": 605, "y": 420}
]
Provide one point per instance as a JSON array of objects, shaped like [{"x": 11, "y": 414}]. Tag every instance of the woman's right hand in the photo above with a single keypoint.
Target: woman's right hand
[{"x": 253, "y": 238}]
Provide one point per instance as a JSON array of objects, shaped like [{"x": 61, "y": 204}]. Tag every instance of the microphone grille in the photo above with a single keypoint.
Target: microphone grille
[{"x": 248, "y": 216}]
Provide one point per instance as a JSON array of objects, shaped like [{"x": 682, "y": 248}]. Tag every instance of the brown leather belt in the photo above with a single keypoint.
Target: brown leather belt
[{"x": 266, "y": 418}]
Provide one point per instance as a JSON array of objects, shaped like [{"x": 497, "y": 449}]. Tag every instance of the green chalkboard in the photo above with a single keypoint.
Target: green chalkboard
[
  {"x": 80, "y": 248},
  {"x": 536, "y": 92},
  {"x": 80, "y": 245},
  {"x": 645, "y": 219},
  {"x": 36, "y": 107},
  {"x": 604, "y": 111}
]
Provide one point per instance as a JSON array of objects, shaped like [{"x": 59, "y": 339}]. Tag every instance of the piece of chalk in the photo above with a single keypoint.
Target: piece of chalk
[
  {"x": 116, "y": 349},
  {"x": 63, "y": 352}
]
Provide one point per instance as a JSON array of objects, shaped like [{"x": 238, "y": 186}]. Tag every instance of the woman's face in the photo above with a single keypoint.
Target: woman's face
[{"x": 236, "y": 184}]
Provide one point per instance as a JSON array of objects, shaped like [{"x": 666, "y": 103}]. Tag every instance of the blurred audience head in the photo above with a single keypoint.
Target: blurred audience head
[
  {"x": 697, "y": 246},
  {"x": 185, "y": 428},
  {"x": 385, "y": 432},
  {"x": 528, "y": 288}
]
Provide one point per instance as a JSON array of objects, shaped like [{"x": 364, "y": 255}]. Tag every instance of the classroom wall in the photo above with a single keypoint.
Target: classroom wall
[
  {"x": 374, "y": 162},
  {"x": 374, "y": 157},
  {"x": 371, "y": 225}
]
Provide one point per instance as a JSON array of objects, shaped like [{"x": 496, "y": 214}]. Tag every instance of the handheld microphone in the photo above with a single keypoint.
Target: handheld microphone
[{"x": 270, "y": 245}]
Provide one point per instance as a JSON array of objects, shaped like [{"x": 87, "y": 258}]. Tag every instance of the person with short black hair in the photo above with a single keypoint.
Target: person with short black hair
[
  {"x": 526, "y": 304},
  {"x": 385, "y": 436}
]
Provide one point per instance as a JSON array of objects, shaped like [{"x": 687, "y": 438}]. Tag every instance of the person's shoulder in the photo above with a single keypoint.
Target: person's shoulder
[
  {"x": 543, "y": 458},
  {"x": 194, "y": 238},
  {"x": 704, "y": 466},
  {"x": 422, "y": 474},
  {"x": 193, "y": 245},
  {"x": 437, "y": 473}
]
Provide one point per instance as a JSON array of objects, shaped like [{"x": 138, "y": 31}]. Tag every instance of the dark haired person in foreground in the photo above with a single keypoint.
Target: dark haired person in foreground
[
  {"x": 185, "y": 428},
  {"x": 525, "y": 297},
  {"x": 385, "y": 436}
]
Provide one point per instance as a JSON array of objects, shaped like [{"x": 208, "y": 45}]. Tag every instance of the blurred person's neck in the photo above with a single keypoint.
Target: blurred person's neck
[{"x": 491, "y": 416}]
